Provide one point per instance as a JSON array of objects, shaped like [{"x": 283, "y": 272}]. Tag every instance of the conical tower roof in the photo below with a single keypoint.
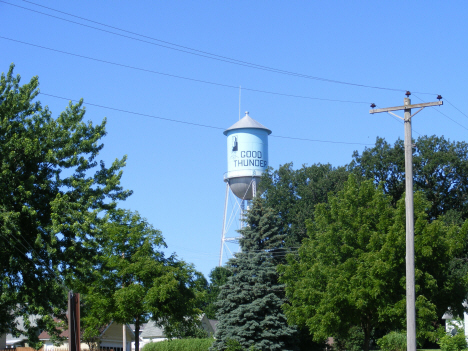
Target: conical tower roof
[{"x": 247, "y": 122}]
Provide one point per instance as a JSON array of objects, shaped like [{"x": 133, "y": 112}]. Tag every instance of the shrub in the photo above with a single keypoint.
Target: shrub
[
  {"x": 179, "y": 345},
  {"x": 394, "y": 341},
  {"x": 450, "y": 342}
]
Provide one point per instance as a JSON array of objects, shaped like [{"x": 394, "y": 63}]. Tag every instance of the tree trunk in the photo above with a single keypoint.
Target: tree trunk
[
  {"x": 137, "y": 333},
  {"x": 367, "y": 335}
]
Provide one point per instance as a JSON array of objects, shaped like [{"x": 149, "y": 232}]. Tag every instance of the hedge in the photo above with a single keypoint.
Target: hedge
[{"x": 179, "y": 345}]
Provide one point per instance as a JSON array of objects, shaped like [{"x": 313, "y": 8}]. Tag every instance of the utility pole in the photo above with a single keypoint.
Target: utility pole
[
  {"x": 410, "y": 289},
  {"x": 74, "y": 335},
  {"x": 124, "y": 330},
  {"x": 124, "y": 337}
]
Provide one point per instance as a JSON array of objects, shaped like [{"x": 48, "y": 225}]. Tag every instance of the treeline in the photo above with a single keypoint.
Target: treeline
[{"x": 323, "y": 252}]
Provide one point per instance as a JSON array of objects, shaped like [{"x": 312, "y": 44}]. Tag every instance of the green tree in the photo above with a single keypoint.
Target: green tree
[
  {"x": 440, "y": 171},
  {"x": 249, "y": 307},
  {"x": 133, "y": 280},
  {"x": 218, "y": 277},
  {"x": 54, "y": 193},
  {"x": 293, "y": 194},
  {"x": 351, "y": 269}
]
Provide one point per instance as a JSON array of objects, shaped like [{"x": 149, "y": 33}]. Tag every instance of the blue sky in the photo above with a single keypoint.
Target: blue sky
[{"x": 176, "y": 170}]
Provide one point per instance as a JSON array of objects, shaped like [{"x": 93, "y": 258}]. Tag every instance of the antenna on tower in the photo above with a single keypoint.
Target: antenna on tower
[{"x": 240, "y": 88}]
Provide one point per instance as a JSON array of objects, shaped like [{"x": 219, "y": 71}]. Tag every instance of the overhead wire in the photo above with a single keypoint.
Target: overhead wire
[
  {"x": 456, "y": 108},
  {"x": 197, "y": 124},
  {"x": 224, "y": 85},
  {"x": 196, "y": 52},
  {"x": 182, "y": 77},
  {"x": 443, "y": 114},
  {"x": 200, "y": 51},
  {"x": 34, "y": 252}
]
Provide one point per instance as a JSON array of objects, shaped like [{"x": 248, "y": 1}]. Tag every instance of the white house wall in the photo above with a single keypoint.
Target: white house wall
[{"x": 113, "y": 336}]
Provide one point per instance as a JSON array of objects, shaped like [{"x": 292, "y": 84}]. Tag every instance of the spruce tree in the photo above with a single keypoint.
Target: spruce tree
[{"x": 249, "y": 305}]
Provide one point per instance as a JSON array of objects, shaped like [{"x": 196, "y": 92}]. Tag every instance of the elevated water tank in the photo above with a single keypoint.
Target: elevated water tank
[{"x": 247, "y": 152}]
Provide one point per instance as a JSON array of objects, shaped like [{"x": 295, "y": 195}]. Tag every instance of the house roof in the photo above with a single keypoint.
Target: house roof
[
  {"x": 10, "y": 339},
  {"x": 152, "y": 331},
  {"x": 213, "y": 323},
  {"x": 46, "y": 336},
  {"x": 142, "y": 327}
]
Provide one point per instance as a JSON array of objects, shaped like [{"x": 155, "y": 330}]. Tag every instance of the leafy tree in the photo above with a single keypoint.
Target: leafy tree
[
  {"x": 293, "y": 194},
  {"x": 133, "y": 280},
  {"x": 54, "y": 193},
  {"x": 249, "y": 308},
  {"x": 351, "y": 269},
  {"x": 218, "y": 277},
  {"x": 440, "y": 171}
]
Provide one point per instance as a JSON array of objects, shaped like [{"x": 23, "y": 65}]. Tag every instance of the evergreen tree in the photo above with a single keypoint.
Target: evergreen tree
[
  {"x": 218, "y": 277},
  {"x": 249, "y": 307}
]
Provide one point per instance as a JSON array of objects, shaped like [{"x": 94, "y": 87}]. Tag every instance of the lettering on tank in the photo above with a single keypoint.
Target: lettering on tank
[
  {"x": 250, "y": 159},
  {"x": 250, "y": 163}
]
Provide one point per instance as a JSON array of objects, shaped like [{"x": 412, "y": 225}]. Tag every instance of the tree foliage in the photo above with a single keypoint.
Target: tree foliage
[
  {"x": 351, "y": 269},
  {"x": 134, "y": 281},
  {"x": 293, "y": 194},
  {"x": 249, "y": 308},
  {"x": 440, "y": 170},
  {"x": 218, "y": 277},
  {"x": 54, "y": 193}
]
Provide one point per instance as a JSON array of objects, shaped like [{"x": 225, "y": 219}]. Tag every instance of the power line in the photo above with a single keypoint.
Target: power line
[
  {"x": 464, "y": 114},
  {"x": 197, "y": 52},
  {"x": 34, "y": 253},
  {"x": 443, "y": 114},
  {"x": 136, "y": 113},
  {"x": 318, "y": 140},
  {"x": 181, "y": 77},
  {"x": 197, "y": 124}
]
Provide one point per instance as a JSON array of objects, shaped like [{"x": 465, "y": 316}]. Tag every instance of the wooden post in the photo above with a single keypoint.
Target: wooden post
[
  {"x": 410, "y": 288},
  {"x": 74, "y": 332},
  {"x": 410, "y": 284}
]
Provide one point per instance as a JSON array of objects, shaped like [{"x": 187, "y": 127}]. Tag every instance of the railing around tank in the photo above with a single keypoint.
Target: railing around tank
[{"x": 238, "y": 174}]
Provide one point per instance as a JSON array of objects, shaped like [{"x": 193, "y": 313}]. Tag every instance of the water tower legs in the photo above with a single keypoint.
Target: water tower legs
[{"x": 224, "y": 225}]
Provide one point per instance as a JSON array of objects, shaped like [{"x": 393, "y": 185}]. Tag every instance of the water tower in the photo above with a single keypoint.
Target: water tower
[{"x": 247, "y": 156}]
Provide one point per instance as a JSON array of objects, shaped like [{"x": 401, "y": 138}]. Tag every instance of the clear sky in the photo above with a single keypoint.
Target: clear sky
[{"x": 176, "y": 170}]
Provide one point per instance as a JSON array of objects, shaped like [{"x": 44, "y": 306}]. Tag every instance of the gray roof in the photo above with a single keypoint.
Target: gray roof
[
  {"x": 213, "y": 323},
  {"x": 152, "y": 331},
  {"x": 247, "y": 122},
  {"x": 132, "y": 326}
]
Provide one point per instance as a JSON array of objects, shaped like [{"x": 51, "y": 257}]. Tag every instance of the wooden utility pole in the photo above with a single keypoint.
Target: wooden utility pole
[
  {"x": 410, "y": 289},
  {"x": 74, "y": 334}
]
